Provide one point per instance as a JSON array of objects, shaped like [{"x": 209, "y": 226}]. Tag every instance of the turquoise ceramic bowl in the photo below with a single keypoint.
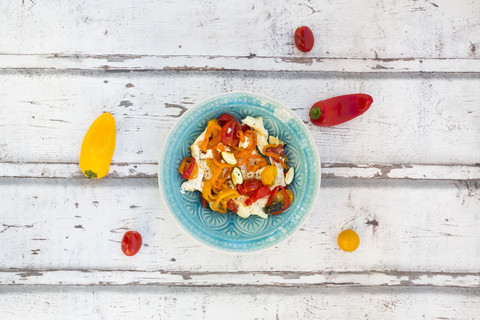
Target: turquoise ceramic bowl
[{"x": 228, "y": 232}]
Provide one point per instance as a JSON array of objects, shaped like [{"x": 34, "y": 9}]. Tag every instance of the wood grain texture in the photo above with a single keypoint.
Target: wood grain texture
[
  {"x": 404, "y": 225},
  {"x": 252, "y": 62},
  {"x": 329, "y": 170},
  {"x": 87, "y": 277},
  {"x": 366, "y": 29},
  {"x": 386, "y": 174},
  {"x": 414, "y": 120},
  {"x": 239, "y": 303}
]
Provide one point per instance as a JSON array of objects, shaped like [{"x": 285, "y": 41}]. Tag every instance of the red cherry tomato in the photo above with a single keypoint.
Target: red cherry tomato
[
  {"x": 224, "y": 118},
  {"x": 188, "y": 168},
  {"x": 280, "y": 150},
  {"x": 232, "y": 206},
  {"x": 203, "y": 201},
  {"x": 229, "y": 133},
  {"x": 260, "y": 193},
  {"x": 304, "y": 39},
  {"x": 131, "y": 243},
  {"x": 249, "y": 186},
  {"x": 245, "y": 127}
]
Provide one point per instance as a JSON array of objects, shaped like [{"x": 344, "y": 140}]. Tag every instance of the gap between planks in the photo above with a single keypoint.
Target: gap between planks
[
  {"x": 329, "y": 170},
  {"x": 247, "y": 279},
  {"x": 128, "y": 62}
]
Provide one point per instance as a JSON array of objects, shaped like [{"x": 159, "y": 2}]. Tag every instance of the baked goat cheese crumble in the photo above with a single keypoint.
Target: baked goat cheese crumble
[{"x": 231, "y": 156}]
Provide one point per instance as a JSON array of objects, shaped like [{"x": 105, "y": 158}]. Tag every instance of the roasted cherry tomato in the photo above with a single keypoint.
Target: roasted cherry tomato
[
  {"x": 246, "y": 127},
  {"x": 279, "y": 197},
  {"x": 188, "y": 168},
  {"x": 131, "y": 243},
  {"x": 232, "y": 206},
  {"x": 269, "y": 174},
  {"x": 229, "y": 133},
  {"x": 259, "y": 194},
  {"x": 283, "y": 198},
  {"x": 224, "y": 118},
  {"x": 280, "y": 150},
  {"x": 348, "y": 240},
  {"x": 249, "y": 186},
  {"x": 203, "y": 201},
  {"x": 290, "y": 195},
  {"x": 304, "y": 39}
]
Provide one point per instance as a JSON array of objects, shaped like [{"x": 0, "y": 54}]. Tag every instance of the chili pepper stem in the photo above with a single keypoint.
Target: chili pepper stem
[
  {"x": 315, "y": 113},
  {"x": 90, "y": 174}
]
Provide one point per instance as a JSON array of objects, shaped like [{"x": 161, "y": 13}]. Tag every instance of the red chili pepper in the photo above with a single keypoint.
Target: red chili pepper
[
  {"x": 285, "y": 194},
  {"x": 260, "y": 193},
  {"x": 333, "y": 111}
]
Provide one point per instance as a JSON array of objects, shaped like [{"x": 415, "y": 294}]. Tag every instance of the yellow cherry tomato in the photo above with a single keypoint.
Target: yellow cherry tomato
[
  {"x": 348, "y": 240},
  {"x": 269, "y": 174},
  {"x": 290, "y": 195}
]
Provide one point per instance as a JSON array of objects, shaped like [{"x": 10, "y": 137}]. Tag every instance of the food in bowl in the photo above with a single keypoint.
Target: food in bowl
[
  {"x": 229, "y": 232},
  {"x": 239, "y": 167}
]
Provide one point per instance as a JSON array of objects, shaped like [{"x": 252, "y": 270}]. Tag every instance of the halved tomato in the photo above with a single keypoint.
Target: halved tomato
[
  {"x": 224, "y": 118},
  {"x": 232, "y": 206},
  {"x": 249, "y": 186},
  {"x": 229, "y": 133}
]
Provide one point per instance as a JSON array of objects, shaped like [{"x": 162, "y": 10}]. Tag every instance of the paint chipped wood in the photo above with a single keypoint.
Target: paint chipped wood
[
  {"x": 329, "y": 170},
  {"x": 31, "y": 302},
  {"x": 238, "y": 278},
  {"x": 366, "y": 29},
  {"x": 405, "y": 175},
  {"x": 412, "y": 217},
  {"x": 183, "y": 63},
  {"x": 425, "y": 120}
]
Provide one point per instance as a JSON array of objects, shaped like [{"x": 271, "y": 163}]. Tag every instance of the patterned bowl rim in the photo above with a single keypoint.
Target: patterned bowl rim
[{"x": 206, "y": 244}]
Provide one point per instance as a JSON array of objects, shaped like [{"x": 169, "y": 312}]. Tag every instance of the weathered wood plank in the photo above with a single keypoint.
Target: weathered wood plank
[
  {"x": 72, "y": 170},
  {"x": 417, "y": 119},
  {"x": 52, "y": 225},
  {"x": 329, "y": 170},
  {"x": 366, "y": 29},
  {"x": 238, "y": 303},
  {"x": 237, "y": 278},
  {"x": 123, "y": 62},
  {"x": 404, "y": 225}
]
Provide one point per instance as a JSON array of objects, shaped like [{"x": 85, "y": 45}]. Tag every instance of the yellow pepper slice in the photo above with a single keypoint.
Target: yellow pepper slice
[
  {"x": 207, "y": 191},
  {"x": 98, "y": 146},
  {"x": 213, "y": 129},
  {"x": 220, "y": 203}
]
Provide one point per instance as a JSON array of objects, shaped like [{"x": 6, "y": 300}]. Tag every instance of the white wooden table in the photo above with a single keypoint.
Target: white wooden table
[{"x": 405, "y": 175}]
